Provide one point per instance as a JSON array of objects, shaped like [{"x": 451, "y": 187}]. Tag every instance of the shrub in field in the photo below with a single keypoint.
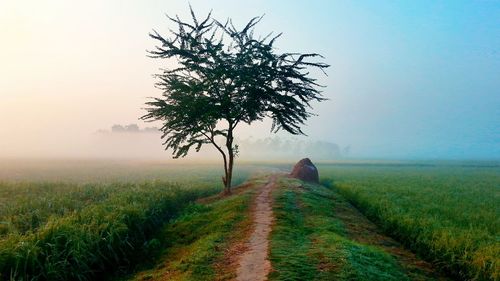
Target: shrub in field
[{"x": 97, "y": 239}]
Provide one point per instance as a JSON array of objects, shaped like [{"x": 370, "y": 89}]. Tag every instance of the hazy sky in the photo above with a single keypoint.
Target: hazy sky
[{"x": 409, "y": 79}]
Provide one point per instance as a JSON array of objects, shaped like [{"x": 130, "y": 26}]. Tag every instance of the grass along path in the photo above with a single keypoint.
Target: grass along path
[
  {"x": 358, "y": 228},
  {"x": 315, "y": 235},
  {"x": 318, "y": 236},
  {"x": 448, "y": 214},
  {"x": 202, "y": 243}
]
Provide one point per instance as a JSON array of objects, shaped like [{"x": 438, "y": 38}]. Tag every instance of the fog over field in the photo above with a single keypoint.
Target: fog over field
[{"x": 408, "y": 80}]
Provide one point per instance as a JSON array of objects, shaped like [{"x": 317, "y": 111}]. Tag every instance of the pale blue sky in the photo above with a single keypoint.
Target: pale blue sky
[{"x": 409, "y": 79}]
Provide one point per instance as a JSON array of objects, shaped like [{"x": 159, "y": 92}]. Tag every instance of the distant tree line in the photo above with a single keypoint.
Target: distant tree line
[
  {"x": 276, "y": 147},
  {"x": 260, "y": 148},
  {"x": 130, "y": 128}
]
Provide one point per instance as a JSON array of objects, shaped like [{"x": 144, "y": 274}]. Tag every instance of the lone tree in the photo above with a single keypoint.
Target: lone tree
[{"x": 224, "y": 76}]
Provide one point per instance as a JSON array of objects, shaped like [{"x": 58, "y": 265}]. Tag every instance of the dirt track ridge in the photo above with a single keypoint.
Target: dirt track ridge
[{"x": 254, "y": 264}]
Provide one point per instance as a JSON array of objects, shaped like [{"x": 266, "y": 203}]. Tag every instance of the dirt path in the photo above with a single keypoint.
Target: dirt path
[{"x": 254, "y": 264}]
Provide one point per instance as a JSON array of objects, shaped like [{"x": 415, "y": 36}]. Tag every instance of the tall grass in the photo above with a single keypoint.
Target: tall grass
[
  {"x": 25, "y": 207},
  {"x": 448, "y": 214},
  {"x": 30, "y": 195},
  {"x": 98, "y": 238},
  {"x": 112, "y": 171},
  {"x": 59, "y": 223}
]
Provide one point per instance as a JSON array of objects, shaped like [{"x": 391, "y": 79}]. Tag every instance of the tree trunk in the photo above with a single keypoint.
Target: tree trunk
[
  {"x": 228, "y": 173},
  {"x": 230, "y": 163},
  {"x": 229, "y": 176}
]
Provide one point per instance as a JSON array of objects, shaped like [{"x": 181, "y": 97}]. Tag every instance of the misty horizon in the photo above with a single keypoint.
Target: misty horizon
[
  {"x": 130, "y": 141},
  {"x": 408, "y": 80}
]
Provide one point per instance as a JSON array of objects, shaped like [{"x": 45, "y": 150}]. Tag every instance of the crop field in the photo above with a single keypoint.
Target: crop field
[
  {"x": 447, "y": 213},
  {"x": 145, "y": 220},
  {"x": 76, "y": 221}
]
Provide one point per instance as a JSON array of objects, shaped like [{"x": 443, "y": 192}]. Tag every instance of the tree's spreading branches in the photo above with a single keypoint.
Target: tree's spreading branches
[{"x": 225, "y": 74}]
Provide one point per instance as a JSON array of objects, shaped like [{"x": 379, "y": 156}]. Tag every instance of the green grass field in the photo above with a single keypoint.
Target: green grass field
[
  {"x": 60, "y": 223},
  {"x": 197, "y": 244},
  {"x": 102, "y": 235},
  {"x": 144, "y": 221},
  {"x": 447, "y": 213},
  {"x": 310, "y": 243}
]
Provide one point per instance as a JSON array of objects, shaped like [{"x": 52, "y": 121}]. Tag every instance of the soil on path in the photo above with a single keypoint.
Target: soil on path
[{"x": 254, "y": 264}]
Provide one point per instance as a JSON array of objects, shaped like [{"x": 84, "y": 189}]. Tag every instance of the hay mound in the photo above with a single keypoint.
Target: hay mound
[{"x": 306, "y": 171}]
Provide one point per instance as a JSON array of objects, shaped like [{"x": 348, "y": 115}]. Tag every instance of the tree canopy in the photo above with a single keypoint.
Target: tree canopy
[{"x": 223, "y": 77}]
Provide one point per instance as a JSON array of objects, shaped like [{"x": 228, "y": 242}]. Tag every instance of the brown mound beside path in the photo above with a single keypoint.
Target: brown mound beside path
[
  {"x": 305, "y": 170},
  {"x": 254, "y": 264}
]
